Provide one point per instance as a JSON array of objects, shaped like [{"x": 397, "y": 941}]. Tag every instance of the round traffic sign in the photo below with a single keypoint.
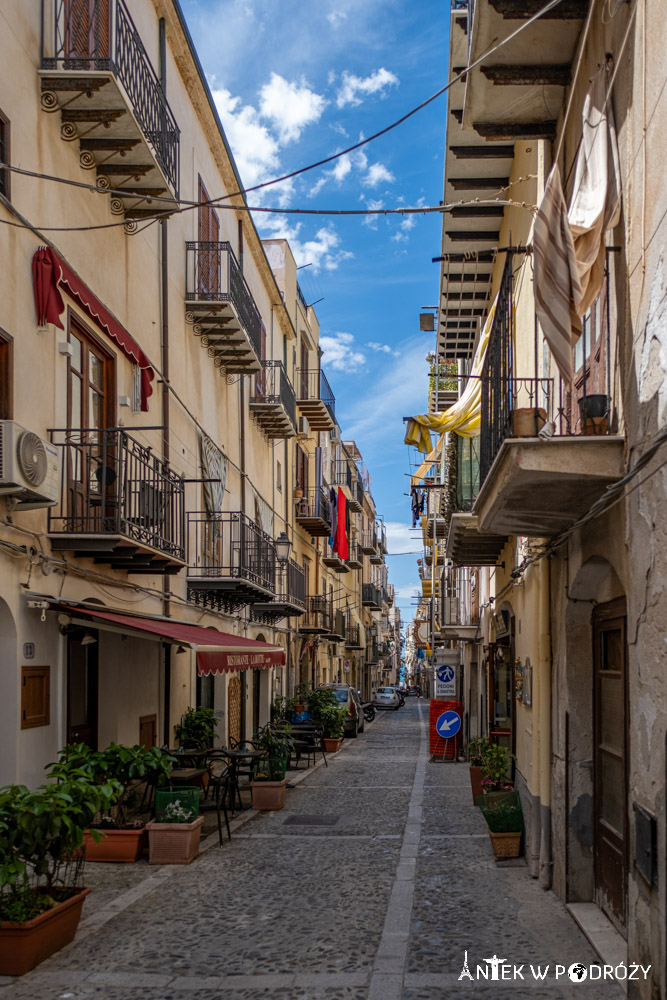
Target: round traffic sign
[
  {"x": 448, "y": 725},
  {"x": 445, "y": 674}
]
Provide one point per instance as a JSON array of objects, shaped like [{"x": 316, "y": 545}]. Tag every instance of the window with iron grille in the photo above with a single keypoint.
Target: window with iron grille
[{"x": 4, "y": 155}]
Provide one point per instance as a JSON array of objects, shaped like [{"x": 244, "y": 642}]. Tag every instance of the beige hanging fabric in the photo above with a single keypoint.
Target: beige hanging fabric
[
  {"x": 555, "y": 274},
  {"x": 595, "y": 206},
  {"x": 464, "y": 416},
  {"x": 214, "y": 470}
]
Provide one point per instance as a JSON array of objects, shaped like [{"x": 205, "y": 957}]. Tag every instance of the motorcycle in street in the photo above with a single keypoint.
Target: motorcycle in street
[{"x": 369, "y": 711}]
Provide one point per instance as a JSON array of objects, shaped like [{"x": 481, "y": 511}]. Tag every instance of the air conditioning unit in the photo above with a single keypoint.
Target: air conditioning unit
[
  {"x": 334, "y": 435},
  {"x": 29, "y": 467},
  {"x": 302, "y": 428}
]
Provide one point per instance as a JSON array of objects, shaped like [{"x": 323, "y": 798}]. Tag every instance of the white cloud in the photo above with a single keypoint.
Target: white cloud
[
  {"x": 353, "y": 85},
  {"x": 341, "y": 169},
  {"x": 377, "y": 173},
  {"x": 336, "y": 126},
  {"x": 399, "y": 538},
  {"x": 372, "y": 220},
  {"x": 255, "y": 149},
  {"x": 290, "y": 106},
  {"x": 339, "y": 353},
  {"x": 323, "y": 250},
  {"x": 407, "y": 590},
  {"x": 336, "y": 17},
  {"x": 383, "y": 348}
]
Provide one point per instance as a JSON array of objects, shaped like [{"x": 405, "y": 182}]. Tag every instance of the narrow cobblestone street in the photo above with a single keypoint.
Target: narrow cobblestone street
[{"x": 370, "y": 885}]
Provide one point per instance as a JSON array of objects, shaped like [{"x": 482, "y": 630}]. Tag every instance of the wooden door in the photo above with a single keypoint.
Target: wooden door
[
  {"x": 147, "y": 731},
  {"x": 303, "y": 393},
  {"x": 208, "y": 272},
  {"x": 256, "y": 699},
  {"x": 234, "y": 710},
  {"x": 87, "y": 30},
  {"x": 91, "y": 467},
  {"x": 82, "y": 687},
  {"x": 610, "y": 778}
]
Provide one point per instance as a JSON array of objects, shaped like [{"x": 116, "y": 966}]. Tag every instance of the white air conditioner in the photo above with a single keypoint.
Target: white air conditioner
[
  {"x": 29, "y": 467},
  {"x": 302, "y": 428}
]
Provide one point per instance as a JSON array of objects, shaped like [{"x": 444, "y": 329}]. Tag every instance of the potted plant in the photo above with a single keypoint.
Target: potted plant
[
  {"x": 41, "y": 866},
  {"x": 475, "y": 755},
  {"x": 300, "y": 697},
  {"x": 118, "y": 834},
  {"x": 594, "y": 413},
  {"x": 504, "y": 816},
  {"x": 333, "y": 718},
  {"x": 268, "y": 783},
  {"x": 496, "y": 762},
  {"x": 196, "y": 730},
  {"x": 175, "y": 833}
]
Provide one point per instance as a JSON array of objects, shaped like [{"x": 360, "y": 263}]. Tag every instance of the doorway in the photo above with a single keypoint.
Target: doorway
[
  {"x": 234, "y": 711},
  {"x": 610, "y": 749},
  {"x": 82, "y": 687}
]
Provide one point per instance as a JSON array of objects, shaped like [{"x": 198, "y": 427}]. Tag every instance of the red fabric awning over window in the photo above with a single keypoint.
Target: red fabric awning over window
[
  {"x": 50, "y": 273},
  {"x": 217, "y": 652}
]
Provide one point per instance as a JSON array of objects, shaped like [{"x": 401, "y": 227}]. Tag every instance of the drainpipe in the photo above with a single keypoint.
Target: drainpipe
[
  {"x": 545, "y": 859},
  {"x": 164, "y": 360}
]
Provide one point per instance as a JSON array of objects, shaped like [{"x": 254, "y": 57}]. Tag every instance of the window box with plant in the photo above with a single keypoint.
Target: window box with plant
[
  {"x": 175, "y": 833},
  {"x": 41, "y": 865},
  {"x": 120, "y": 831}
]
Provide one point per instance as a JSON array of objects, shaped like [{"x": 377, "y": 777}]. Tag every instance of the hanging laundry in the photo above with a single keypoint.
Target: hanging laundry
[
  {"x": 340, "y": 539},
  {"x": 334, "y": 519}
]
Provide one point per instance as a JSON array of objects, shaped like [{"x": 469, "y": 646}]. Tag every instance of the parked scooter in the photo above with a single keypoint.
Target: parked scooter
[{"x": 369, "y": 711}]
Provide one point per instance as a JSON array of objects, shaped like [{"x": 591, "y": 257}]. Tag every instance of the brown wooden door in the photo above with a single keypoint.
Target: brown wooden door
[
  {"x": 82, "y": 686},
  {"x": 91, "y": 458},
  {"x": 234, "y": 710},
  {"x": 304, "y": 372},
  {"x": 147, "y": 731},
  {"x": 208, "y": 276},
  {"x": 87, "y": 29},
  {"x": 610, "y": 781}
]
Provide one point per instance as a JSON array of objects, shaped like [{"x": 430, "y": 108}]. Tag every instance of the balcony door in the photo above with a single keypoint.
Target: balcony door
[
  {"x": 87, "y": 30},
  {"x": 610, "y": 772},
  {"x": 82, "y": 687},
  {"x": 91, "y": 467},
  {"x": 208, "y": 272}
]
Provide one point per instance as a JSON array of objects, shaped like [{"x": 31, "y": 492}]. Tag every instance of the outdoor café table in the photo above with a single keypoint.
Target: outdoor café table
[
  {"x": 187, "y": 758},
  {"x": 187, "y": 775},
  {"x": 238, "y": 758}
]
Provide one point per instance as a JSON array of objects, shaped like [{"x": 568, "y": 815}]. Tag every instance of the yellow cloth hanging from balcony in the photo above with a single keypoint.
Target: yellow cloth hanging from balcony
[{"x": 464, "y": 416}]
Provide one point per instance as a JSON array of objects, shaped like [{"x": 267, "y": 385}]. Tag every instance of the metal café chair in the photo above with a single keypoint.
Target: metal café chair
[{"x": 219, "y": 774}]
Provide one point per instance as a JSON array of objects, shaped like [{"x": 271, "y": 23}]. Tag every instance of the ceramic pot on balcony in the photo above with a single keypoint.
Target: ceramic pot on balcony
[{"x": 594, "y": 413}]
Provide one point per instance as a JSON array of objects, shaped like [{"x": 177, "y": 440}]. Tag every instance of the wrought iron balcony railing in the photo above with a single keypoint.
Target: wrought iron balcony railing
[
  {"x": 114, "y": 487},
  {"x": 313, "y": 512},
  {"x": 371, "y": 596},
  {"x": 213, "y": 276},
  {"x": 229, "y": 551},
  {"x": 272, "y": 401},
  {"x": 315, "y": 398},
  {"x": 319, "y": 615},
  {"x": 99, "y": 36},
  {"x": 369, "y": 542}
]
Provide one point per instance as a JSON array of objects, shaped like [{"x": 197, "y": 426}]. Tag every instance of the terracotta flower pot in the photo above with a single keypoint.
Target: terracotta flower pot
[
  {"x": 23, "y": 946},
  {"x": 476, "y": 781},
  {"x": 506, "y": 845},
  {"x": 116, "y": 845},
  {"x": 527, "y": 421},
  {"x": 268, "y": 794},
  {"x": 331, "y": 745},
  {"x": 173, "y": 843}
]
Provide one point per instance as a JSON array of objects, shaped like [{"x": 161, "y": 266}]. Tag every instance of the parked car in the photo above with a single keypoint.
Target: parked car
[
  {"x": 401, "y": 696},
  {"x": 346, "y": 695},
  {"x": 386, "y": 697}
]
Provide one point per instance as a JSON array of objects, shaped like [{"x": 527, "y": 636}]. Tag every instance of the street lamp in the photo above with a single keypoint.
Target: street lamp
[{"x": 283, "y": 548}]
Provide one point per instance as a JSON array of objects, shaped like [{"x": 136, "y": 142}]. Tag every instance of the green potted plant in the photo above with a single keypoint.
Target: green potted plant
[
  {"x": 333, "y": 718},
  {"x": 175, "y": 833},
  {"x": 301, "y": 696},
  {"x": 268, "y": 783},
  {"x": 475, "y": 755},
  {"x": 504, "y": 816},
  {"x": 496, "y": 762},
  {"x": 41, "y": 865},
  {"x": 118, "y": 834},
  {"x": 196, "y": 730}
]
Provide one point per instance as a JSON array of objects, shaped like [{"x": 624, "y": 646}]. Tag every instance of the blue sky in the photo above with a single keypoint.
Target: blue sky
[{"x": 295, "y": 82}]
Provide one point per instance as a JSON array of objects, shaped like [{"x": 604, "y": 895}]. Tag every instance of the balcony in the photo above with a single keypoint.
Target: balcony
[
  {"x": 318, "y": 619},
  {"x": 338, "y": 629},
  {"x": 369, "y": 544},
  {"x": 518, "y": 92},
  {"x": 348, "y": 478},
  {"x": 536, "y": 476},
  {"x": 119, "y": 503},
  {"x": 313, "y": 513},
  {"x": 355, "y": 559},
  {"x": 353, "y": 637},
  {"x": 95, "y": 70},
  {"x": 466, "y": 545},
  {"x": 372, "y": 650},
  {"x": 221, "y": 308},
  {"x": 371, "y": 597},
  {"x": 290, "y": 599},
  {"x": 334, "y": 562},
  {"x": 272, "y": 401},
  {"x": 390, "y": 594},
  {"x": 315, "y": 399},
  {"x": 231, "y": 562}
]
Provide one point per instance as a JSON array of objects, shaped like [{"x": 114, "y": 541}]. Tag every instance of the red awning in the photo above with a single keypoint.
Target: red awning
[
  {"x": 217, "y": 652},
  {"x": 49, "y": 271}
]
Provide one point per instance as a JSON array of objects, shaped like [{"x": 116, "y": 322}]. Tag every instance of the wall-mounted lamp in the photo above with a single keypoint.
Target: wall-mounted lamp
[
  {"x": 181, "y": 649},
  {"x": 88, "y": 639},
  {"x": 283, "y": 548}
]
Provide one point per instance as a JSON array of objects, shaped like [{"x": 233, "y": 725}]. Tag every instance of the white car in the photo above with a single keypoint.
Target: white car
[{"x": 386, "y": 697}]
